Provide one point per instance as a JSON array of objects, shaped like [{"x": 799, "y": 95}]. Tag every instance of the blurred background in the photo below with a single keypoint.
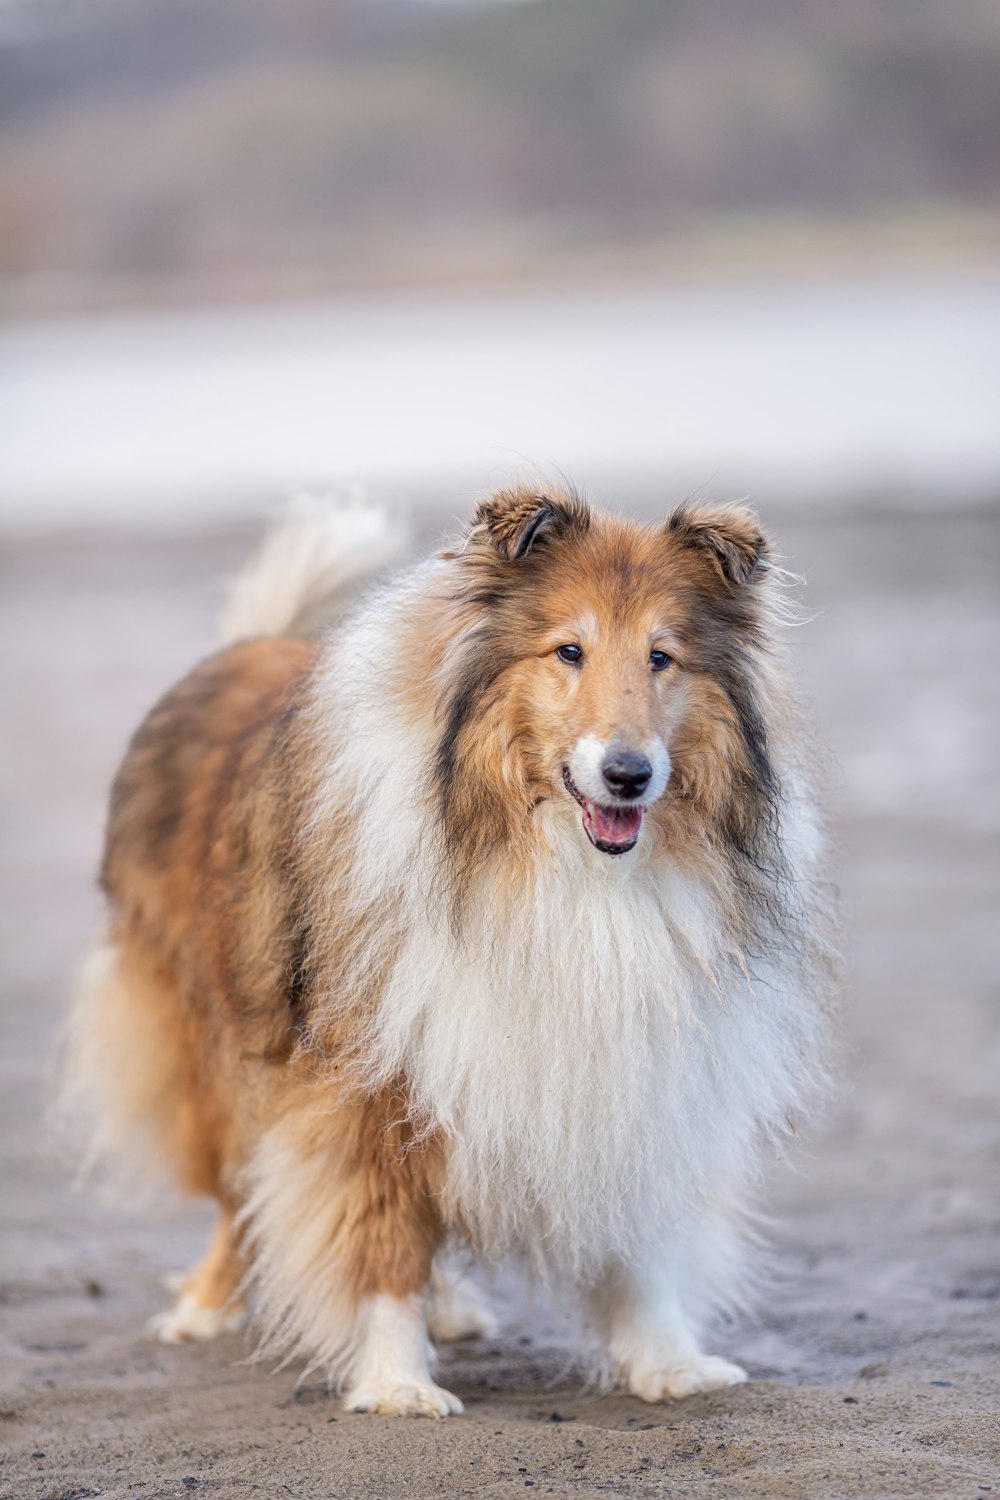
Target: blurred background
[
  {"x": 669, "y": 243},
  {"x": 665, "y": 248}
]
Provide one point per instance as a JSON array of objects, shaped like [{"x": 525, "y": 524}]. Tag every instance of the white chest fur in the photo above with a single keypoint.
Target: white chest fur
[{"x": 595, "y": 1060}]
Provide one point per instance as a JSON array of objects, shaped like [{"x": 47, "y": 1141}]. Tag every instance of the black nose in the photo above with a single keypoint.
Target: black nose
[{"x": 626, "y": 773}]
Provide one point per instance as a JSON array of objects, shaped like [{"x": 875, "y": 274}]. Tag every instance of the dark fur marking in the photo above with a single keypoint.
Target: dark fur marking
[
  {"x": 531, "y": 530},
  {"x": 722, "y": 633},
  {"x": 485, "y": 665},
  {"x": 731, "y": 537},
  {"x": 516, "y": 519},
  {"x": 297, "y": 971}
]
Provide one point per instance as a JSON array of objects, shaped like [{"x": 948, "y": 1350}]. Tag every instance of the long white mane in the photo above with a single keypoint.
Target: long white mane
[{"x": 599, "y": 1057}]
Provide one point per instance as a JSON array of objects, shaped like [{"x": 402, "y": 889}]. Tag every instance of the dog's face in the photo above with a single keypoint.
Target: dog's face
[
  {"x": 602, "y": 696},
  {"x": 604, "y": 666}
]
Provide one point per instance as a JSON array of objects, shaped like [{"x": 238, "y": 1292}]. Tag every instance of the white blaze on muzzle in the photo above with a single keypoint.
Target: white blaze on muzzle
[{"x": 612, "y": 821}]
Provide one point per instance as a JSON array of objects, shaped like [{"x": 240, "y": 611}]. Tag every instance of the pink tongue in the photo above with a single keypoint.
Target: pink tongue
[{"x": 615, "y": 825}]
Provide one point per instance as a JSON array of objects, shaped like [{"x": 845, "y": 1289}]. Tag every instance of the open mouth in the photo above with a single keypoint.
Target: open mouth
[{"x": 613, "y": 830}]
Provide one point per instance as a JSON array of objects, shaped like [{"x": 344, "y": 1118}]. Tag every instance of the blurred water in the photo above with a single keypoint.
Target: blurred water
[{"x": 810, "y": 388}]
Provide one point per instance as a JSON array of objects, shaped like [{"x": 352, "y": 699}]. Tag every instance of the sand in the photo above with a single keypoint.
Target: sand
[{"x": 875, "y": 1360}]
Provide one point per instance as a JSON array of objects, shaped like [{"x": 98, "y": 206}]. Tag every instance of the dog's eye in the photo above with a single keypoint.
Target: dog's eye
[
  {"x": 573, "y": 655},
  {"x": 658, "y": 660}
]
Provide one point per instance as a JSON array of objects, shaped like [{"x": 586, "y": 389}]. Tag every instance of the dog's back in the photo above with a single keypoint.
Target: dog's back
[{"x": 198, "y": 964}]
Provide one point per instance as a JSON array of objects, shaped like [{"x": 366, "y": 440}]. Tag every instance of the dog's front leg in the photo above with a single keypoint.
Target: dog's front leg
[
  {"x": 341, "y": 1228},
  {"x": 652, "y": 1344},
  {"x": 392, "y": 1369},
  {"x": 394, "y": 1235}
]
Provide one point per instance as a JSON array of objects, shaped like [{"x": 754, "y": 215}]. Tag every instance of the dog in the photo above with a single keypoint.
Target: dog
[{"x": 493, "y": 914}]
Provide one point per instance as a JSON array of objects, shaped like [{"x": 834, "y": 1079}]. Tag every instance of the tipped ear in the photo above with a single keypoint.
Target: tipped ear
[
  {"x": 730, "y": 536},
  {"x": 517, "y": 520}
]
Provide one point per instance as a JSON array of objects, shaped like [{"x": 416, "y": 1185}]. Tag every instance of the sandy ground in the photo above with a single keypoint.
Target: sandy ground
[{"x": 875, "y": 1359}]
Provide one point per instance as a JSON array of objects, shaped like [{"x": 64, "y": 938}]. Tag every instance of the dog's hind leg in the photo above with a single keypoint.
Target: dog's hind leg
[
  {"x": 209, "y": 1301},
  {"x": 136, "y": 1086},
  {"x": 457, "y": 1308}
]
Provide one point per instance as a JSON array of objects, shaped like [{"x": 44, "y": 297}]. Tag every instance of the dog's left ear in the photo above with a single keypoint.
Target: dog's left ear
[
  {"x": 518, "y": 520},
  {"x": 730, "y": 536}
]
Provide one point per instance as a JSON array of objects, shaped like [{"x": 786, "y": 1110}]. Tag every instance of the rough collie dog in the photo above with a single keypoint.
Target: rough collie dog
[{"x": 492, "y": 914}]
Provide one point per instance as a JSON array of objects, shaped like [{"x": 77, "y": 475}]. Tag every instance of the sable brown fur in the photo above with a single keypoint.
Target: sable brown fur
[{"x": 208, "y": 906}]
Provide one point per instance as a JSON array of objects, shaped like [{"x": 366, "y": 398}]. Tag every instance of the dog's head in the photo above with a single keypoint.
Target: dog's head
[{"x": 605, "y": 666}]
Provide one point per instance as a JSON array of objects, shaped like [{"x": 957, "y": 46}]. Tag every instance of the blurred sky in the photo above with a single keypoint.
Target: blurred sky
[{"x": 735, "y": 246}]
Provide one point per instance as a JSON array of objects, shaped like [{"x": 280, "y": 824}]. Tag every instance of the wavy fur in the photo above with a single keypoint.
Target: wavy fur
[{"x": 421, "y": 985}]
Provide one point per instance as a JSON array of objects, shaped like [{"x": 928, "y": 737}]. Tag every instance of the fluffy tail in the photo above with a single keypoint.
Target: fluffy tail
[{"x": 310, "y": 567}]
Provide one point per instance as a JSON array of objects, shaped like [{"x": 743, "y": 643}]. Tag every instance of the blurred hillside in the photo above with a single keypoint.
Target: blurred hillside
[{"x": 178, "y": 147}]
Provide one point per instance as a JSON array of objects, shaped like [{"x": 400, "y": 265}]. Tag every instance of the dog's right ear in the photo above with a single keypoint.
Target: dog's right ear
[{"x": 517, "y": 521}]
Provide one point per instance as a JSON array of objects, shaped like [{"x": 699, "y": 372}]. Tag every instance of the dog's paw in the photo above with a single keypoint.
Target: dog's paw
[
  {"x": 684, "y": 1377},
  {"x": 187, "y": 1322},
  {"x": 410, "y": 1398},
  {"x": 460, "y": 1311}
]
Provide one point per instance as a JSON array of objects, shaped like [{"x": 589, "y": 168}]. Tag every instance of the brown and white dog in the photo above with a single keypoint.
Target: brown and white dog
[{"x": 493, "y": 914}]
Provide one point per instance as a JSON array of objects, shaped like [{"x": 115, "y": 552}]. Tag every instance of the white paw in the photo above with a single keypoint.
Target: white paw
[
  {"x": 403, "y": 1399},
  {"x": 186, "y": 1322},
  {"x": 460, "y": 1312},
  {"x": 684, "y": 1377}
]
